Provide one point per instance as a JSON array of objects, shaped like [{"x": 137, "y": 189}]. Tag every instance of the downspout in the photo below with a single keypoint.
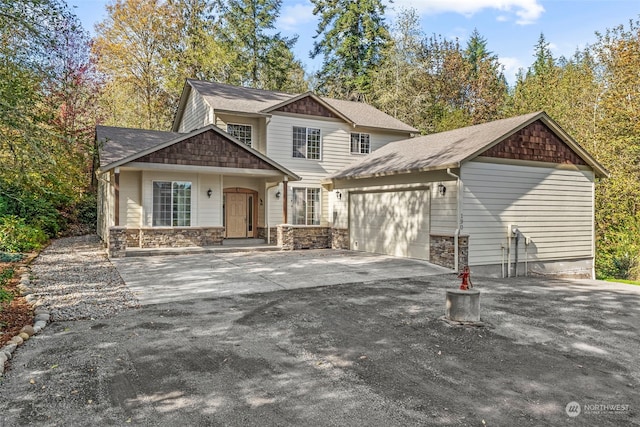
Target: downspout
[{"x": 456, "y": 260}]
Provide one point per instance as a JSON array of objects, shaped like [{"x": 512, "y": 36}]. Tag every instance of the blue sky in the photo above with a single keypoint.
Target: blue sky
[{"x": 511, "y": 27}]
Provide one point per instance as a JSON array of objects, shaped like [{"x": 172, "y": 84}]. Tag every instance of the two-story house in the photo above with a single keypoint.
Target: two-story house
[
  {"x": 237, "y": 163},
  {"x": 509, "y": 197}
]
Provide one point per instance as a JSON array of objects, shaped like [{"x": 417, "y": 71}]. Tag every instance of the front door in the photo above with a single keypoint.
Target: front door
[{"x": 236, "y": 211}]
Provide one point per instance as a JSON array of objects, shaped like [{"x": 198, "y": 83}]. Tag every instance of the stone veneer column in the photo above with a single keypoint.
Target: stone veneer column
[
  {"x": 117, "y": 245},
  {"x": 442, "y": 250}
]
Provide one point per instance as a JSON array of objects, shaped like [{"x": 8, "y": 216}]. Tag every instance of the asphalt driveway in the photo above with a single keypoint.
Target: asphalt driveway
[
  {"x": 159, "y": 279},
  {"x": 369, "y": 353}
]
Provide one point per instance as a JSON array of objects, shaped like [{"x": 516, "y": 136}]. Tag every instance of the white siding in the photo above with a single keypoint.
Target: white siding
[
  {"x": 130, "y": 199},
  {"x": 444, "y": 207},
  {"x": 197, "y": 113},
  {"x": 335, "y": 151},
  {"x": 274, "y": 206},
  {"x": 554, "y": 207}
]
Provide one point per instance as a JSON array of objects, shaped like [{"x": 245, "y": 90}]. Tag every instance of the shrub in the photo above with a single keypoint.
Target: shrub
[
  {"x": 5, "y": 276},
  {"x": 17, "y": 236},
  {"x": 618, "y": 254}
]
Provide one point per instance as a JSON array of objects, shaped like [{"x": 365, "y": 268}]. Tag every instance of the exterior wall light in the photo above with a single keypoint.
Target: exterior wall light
[
  {"x": 338, "y": 195},
  {"x": 278, "y": 194},
  {"x": 209, "y": 193},
  {"x": 442, "y": 189}
]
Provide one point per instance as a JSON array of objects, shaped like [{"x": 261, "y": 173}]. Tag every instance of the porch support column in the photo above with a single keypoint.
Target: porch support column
[
  {"x": 284, "y": 198},
  {"x": 116, "y": 187}
]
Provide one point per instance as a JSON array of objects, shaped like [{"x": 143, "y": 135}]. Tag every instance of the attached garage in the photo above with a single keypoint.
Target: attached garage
[
  {"x": 508, "y": 197},
  {"x": 390, "y": 222}
]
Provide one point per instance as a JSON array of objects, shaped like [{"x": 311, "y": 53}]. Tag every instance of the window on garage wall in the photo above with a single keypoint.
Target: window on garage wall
[
  {"x": 306, "y": 206},
  {"x": 171, "y": 204}
]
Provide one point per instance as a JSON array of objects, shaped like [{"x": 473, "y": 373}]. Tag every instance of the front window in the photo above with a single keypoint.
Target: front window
[
  {"x": 241, "y": 132},
  {"x": 360, "y": 143},
  {"x": 171, "y": 204},
  {"x": 306, "y": 206},
  {"x": 306, "y": 143}
]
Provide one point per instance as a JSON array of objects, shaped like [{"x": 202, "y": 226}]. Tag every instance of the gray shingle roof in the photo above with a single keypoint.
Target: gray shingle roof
[
  {"x": 234, "y": 98},
  {"x": 256, "y": 101},
  {"x": 119, "y": 143},
  {"x": 445, "y": 149}
]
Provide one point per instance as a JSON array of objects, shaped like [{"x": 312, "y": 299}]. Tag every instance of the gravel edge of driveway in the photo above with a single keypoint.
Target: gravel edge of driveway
[{"x": 73, "y": 279}]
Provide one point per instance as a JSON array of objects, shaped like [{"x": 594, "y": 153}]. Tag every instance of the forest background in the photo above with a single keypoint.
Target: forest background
[{"x": 57, "y": 83}]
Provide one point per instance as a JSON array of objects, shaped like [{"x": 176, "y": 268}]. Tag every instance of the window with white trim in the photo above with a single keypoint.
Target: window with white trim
[
  {"x": 306, "y": 206},
  {"x": 240, "y": 132},
  {"x": 171, "y": 204},
  {"x": 360, "y": 143},
  {"x": 306, "y": 143}
]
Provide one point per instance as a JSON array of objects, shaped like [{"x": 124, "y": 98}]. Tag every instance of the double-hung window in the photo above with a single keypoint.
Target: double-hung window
[
  {"x": 306, "y": 143},
  {"x": 360, "y": 143},
  {"x": 241, "y": 132},
  {"x": 306, "y": 206},
  {"x": 171, "y": 204}
]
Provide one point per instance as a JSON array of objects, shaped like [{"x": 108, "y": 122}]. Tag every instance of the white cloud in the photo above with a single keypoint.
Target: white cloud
[
  {"x": 511, "y": 68},
  {"x": 526, "y": 11},
  {"x": 294, "y": 16}
]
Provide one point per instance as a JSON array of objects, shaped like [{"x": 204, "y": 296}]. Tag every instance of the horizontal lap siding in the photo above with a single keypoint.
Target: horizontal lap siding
[
  {"x": 335, "y": 152},
  {"x": 197, "y": 113},
  {"x": 443, "y": 208},
  {"x": 130, "y": 199},
  {"x": 554, "y": 207}
]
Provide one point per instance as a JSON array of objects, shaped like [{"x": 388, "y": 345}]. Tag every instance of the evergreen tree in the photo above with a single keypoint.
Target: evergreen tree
[
  {"x": 261, "y": 60},
  {"x": 352, "y": 35}
]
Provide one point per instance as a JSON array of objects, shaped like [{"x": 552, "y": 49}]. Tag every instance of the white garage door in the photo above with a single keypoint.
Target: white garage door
[{"x": 390, "y": 222}]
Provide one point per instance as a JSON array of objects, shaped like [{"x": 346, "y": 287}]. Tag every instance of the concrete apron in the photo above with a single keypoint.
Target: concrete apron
[{"x": 160, "y": 279}]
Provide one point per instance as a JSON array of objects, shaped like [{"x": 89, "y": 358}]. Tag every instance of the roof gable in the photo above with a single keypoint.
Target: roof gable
[
  {"x": 307, "y": 105},
  {"x": 207, "y": 148},
  {"x": 535, "y": 142}
]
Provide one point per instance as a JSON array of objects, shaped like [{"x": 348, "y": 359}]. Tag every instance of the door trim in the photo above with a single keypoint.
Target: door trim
[{"x": 254, "y": 208}]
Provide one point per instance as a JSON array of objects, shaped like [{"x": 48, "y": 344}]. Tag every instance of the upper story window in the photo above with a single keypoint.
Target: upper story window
[
  {"x": 306, "y": 143},
  {"x": 171, "y": 204},
  {"x": 360, "y": 143},
  {"x": 240, "y": 132}
]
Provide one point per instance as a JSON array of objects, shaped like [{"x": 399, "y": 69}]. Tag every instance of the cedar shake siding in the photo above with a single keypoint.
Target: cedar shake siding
[
  {"x": 307, "y": 106},
  {"x": 535, "y": 142},
  {"x": 206, "y": 149}
]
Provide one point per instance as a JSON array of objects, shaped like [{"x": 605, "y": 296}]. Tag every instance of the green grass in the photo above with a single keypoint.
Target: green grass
[{"x": 628, "y": 282}]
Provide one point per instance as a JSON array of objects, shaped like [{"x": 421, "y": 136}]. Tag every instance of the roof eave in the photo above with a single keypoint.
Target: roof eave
[
  {"x": 392, "y": 173},
  {"x": 186, "y": 90}
]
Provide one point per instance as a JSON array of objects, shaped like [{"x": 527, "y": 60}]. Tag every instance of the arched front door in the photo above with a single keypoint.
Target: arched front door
[{"x": 240, "y": 212}]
